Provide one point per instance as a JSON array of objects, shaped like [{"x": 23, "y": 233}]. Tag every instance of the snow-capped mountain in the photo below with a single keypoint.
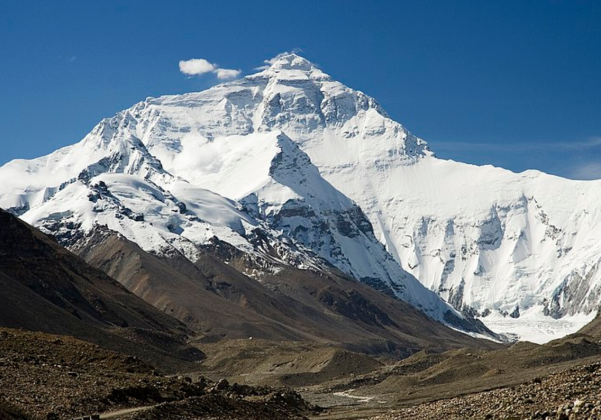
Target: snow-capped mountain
[
  {"x": 260, "y": 194},
  {"x": 324, "y": 172}
]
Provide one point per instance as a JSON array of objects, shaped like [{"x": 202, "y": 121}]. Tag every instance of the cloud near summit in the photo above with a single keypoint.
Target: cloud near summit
[
  {"x": 200, "y": 66},
  {"x": 227, "y": 73},
  {"x": 196, "y": 66}
]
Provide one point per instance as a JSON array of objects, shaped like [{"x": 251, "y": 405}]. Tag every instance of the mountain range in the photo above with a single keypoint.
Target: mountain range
[{"x": 288, "y": 177}]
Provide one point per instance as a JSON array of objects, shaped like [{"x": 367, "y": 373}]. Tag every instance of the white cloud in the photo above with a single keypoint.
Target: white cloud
[
  {"x": 196, "y": 66},
  {"x": 197, "y": 153},
  {"x": 225, "y": 74},
  {"x": 199, "y": 66}
]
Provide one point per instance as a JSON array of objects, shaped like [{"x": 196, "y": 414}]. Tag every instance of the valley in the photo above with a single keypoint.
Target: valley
[{"x": 278, "y": 247}]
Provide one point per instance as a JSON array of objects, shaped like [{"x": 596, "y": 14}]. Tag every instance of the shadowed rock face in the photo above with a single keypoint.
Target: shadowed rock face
[{"x": 47, "y": 288}]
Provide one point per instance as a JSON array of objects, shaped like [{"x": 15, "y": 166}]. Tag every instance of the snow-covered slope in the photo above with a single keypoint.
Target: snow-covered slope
[
  {"x": 110, "y": 179},
  {"x": 322, "y": 166},
  {"x": 520, "y": 250}
]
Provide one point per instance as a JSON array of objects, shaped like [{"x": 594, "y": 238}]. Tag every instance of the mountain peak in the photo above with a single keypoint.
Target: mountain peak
[
  {"x": 290, "y": 61},
  {"x": 290, "y": 66}
]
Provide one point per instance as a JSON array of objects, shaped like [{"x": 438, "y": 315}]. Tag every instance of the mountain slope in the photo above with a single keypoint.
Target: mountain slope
[
  {"x": 219, "y": 302},
  {"x": 47, "y": 288}
]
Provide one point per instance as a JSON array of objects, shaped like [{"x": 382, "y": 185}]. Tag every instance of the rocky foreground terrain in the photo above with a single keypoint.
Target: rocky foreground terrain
[
  {"x": 572, "y": 394},
  {"x": 50, "y": 377}
]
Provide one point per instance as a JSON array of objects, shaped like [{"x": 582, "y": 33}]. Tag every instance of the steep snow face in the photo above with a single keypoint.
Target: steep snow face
[
  {"x": 291, "y": 95},
  {"x": 500, "y": 244}
]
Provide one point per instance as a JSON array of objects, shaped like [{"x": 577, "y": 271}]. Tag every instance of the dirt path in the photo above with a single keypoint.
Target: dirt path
[
  {"x": 117, "y": 414},
  {"x": 347, "y": 394}
]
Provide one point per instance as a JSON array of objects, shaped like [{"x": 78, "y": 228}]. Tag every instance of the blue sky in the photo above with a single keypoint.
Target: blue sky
[{"x": 513, "y": 83}]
